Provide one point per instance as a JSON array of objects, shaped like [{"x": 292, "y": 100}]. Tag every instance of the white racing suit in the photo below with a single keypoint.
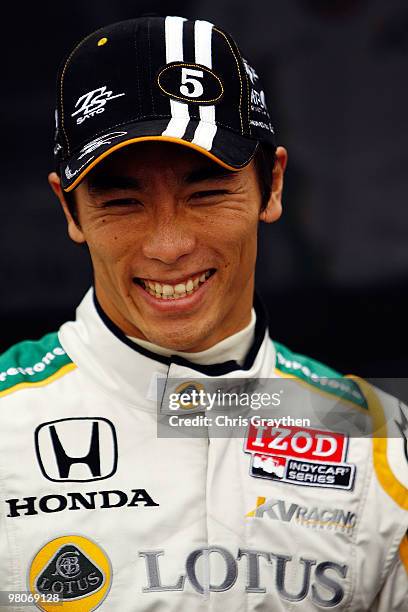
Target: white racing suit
[{"x": 98, "y": 509}]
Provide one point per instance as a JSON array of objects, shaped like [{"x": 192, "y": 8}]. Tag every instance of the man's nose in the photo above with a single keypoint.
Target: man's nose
[{"x": 169, "y": 238}]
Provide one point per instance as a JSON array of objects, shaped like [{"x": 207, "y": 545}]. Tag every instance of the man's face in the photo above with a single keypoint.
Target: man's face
[{"x": 172, "y": 237}]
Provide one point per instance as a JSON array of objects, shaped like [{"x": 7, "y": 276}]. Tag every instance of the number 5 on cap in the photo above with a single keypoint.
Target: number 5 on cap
[{"x": 186, "y": 79}]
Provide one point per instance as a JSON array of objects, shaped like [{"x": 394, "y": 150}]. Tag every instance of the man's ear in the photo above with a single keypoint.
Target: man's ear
[
  {"x": 273, "y": 210},
  {"x": 74, "y": 230}
]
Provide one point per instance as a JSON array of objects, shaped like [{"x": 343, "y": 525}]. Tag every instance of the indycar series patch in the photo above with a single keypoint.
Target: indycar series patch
[{"x": 309, "y": 457}]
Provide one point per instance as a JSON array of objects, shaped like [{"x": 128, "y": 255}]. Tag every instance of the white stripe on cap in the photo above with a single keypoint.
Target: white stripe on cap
[
  {"x": 174, "y": 53},
  {"x": 206, "y": 129}
]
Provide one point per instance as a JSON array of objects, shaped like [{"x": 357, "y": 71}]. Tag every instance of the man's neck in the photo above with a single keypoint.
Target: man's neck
[{"x": 232, "y": 348}]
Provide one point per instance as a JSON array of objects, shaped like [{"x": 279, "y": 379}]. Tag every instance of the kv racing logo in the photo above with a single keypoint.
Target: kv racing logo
[
  {"x": 78, "y": 449},
  {"x": 331, "y": 519},
  {"x": 93, "y": 103},
  {"x": 295, "y": 455}
]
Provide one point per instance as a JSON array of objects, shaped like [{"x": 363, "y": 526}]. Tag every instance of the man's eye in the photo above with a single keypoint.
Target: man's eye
[
  {"x": 121, "y": 202},
  {"x": 210, "y": 193}
]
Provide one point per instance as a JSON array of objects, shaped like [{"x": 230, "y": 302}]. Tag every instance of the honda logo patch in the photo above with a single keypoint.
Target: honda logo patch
[{"x": 79, "y": 449}]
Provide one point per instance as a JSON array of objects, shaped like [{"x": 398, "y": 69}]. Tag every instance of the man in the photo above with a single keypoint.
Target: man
[{"x": 166, "y": 162}]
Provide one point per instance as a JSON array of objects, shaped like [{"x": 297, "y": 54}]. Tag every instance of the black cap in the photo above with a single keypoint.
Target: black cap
[{"x": 157, "y": 78}]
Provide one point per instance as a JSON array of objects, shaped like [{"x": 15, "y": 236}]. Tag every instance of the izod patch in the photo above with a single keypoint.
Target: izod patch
[
  {"x": 74, "y": 568},
  {"x": 295, "y": 455},
  {"x": 190, "y": 83}
]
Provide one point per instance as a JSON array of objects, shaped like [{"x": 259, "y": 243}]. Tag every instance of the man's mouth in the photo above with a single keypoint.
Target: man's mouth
[{"x": 174, "y": 291}]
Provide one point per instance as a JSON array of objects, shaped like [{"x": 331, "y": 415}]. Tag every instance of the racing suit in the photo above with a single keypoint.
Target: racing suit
[{"x": 101, "y": 511}]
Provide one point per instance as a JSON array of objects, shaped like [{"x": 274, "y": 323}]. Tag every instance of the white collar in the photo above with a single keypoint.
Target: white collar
[{"x": 128, "y": 372}]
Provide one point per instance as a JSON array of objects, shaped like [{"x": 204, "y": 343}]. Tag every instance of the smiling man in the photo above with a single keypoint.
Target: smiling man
[
  {"x": 166, "y": 163},
  {"x": 172, "y": 236}
]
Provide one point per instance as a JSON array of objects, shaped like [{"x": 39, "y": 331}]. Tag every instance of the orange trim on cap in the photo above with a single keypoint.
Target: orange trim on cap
[{"x": 185, "y": 143}]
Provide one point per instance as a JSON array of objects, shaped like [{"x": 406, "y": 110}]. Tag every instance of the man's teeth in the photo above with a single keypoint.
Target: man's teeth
[{"x": 173, "y": 292}]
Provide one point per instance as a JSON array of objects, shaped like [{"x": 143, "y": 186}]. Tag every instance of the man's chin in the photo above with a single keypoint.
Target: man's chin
[
  {"x": 184, "y": 336},
  {"x": 185, "y": 344}
]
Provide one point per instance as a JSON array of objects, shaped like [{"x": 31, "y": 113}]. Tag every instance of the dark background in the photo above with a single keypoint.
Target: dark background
[{"x": 333, "y": 271}]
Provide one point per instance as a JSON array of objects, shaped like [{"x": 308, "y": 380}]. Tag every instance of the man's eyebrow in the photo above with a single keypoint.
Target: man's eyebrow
[
  {"x": 208, "y": 173},
  {"x": 103, "y": 182}
]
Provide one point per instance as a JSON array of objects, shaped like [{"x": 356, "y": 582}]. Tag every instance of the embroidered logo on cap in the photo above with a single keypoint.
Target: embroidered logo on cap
[
  {"x": 190, "y": 83},
  {"x": 93, "y": 103}
]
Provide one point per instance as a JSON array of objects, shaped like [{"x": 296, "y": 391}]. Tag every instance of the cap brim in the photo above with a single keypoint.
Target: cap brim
[{"x": 230, "y": 150}]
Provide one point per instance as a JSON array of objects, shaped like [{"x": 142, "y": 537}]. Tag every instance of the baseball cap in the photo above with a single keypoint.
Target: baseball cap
[{"x": 157, "y": 78}]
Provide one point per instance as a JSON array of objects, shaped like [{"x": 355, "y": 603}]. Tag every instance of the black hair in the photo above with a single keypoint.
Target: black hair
[{"x": 264, "y": 161}]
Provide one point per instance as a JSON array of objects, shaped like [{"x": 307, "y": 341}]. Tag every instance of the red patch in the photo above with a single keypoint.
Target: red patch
[{"x": 297, "y": 442}]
